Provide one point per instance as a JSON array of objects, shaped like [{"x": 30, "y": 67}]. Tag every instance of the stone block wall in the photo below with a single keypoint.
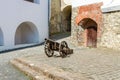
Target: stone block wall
[
  {"x": 55, "y": 17},
  {"x": 110, "y": 35},
  {"x": 111, "y": 30},
  {"x": 108, "y": 28},
  {"x": 74, "y": 26},
  {"x": 60, "y": 17}
]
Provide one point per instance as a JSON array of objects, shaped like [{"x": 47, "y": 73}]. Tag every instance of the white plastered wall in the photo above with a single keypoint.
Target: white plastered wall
[{"x": 15, "y": 12}]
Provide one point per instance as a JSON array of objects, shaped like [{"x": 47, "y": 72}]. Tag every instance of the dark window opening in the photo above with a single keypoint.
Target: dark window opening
[
  {"x": 30, "y": 0},
  {"x": 34, "y": 1}
]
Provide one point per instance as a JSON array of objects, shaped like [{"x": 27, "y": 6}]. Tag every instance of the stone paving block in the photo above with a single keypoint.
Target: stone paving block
[
  {"x": 43, "y": 69},
  {"x": 94, "y": 64}
]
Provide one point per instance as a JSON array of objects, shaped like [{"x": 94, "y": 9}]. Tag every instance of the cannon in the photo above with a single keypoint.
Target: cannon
[{"x": 62, "y": 48}]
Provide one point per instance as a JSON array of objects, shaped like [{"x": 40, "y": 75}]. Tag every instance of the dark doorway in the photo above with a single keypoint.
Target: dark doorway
[
  {"x": 91, "y": 36},
  {"x": 66, "y": 18},
  {"x": 90, "y": 32}
]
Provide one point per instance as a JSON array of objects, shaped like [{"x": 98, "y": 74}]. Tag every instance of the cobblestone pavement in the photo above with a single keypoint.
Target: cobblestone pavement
[
  {"x": 97, "y": 64},
  {"x": 7, "y": 71},
  {"x": 94, "y": 63}
]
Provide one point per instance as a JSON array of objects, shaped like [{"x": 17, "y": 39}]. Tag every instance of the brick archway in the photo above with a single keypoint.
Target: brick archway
[{"x": 87, "y": 16}]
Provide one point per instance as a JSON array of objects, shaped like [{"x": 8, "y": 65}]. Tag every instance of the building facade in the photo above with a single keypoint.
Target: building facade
[
  {"x": 91, "y": 23},
  {"x": 60, "y": 18},
  {"x": 23, "y": 23},
  {"x": 96, "y": 23}
]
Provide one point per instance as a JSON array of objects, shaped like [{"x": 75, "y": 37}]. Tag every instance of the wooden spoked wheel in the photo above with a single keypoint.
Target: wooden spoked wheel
[
  {"x": 48, "y": 50},
  {"x": 61, "y": 48}
]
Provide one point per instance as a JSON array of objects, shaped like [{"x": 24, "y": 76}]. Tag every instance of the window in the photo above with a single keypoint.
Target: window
[
  {"x": 30, "y": 0},
  {"x": 33, "y": 1}
]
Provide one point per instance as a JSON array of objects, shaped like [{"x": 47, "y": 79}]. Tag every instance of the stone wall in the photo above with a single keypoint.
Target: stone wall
[
  {"x": 74, "y": 27},
  {"x": 82, "y": 18},
  {"x": 77, "y": 32},
  {"x": 60, "y": 18},
  {"x": 108, "y": 30},
  {"x": 110, "y": 35},
  {"x": 55, "y": 17},
  {"x": 111, "y": 30}
]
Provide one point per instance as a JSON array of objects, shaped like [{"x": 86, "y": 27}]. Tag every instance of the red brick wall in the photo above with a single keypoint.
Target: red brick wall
[{"x": 92, "y": 11}]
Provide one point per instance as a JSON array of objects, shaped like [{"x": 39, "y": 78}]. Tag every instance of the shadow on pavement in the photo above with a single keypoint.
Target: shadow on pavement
[{"x": 60, "y": 36}]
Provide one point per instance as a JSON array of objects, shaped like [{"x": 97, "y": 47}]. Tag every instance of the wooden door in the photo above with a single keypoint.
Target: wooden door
[{"x": 92, "y": 36}]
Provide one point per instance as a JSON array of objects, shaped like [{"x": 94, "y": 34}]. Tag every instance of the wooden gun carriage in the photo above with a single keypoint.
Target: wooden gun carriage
[{"x": 62, "y": 48}]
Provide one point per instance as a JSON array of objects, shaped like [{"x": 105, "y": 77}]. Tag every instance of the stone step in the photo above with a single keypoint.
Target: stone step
[
  {"x": 28, "y": 71},
  {"x": 48, "y": 71}
]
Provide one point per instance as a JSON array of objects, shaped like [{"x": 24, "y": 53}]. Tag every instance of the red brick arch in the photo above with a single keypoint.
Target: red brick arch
[{"x": 93, "y": 12}]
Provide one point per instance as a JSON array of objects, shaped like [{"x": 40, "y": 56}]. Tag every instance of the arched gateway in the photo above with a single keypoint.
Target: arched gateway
[
  {"x": 66, "y": 18},
  {"x": 90, "y": 20},
  {"x": 90, "y": 32},
  {"x": 26, "y": 33}
]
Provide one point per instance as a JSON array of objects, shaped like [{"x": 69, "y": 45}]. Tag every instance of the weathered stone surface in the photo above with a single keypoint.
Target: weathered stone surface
[
  {"x": 108, "y": 32},
  {"x": 93, "y": 64},
  {"x": 55, "y": 17},
  {"x": 108, "y": 24},
  {"x": 41, "y": 71},
  {"x": 60, "y": 17},
  {"x": 91, "y": 12},
  {"x": 74, "y": 28},
  {"x": 111, "y": 30}
]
